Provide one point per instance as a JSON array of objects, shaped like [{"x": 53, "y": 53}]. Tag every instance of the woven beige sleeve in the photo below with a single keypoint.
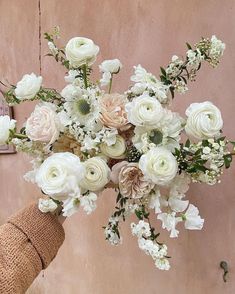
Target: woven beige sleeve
[{"x": 28, "y": 243}]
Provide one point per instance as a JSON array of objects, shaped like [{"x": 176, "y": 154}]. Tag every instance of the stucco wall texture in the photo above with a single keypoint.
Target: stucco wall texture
[{"x": 148, "y": 32}]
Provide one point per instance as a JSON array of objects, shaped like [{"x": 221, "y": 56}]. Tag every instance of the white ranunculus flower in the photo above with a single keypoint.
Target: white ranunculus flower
[
  {"x": 159, "y": 165},
  {"x": 112, "y": 66},
  {"x": 6, "y": 124},
  {"x": 59, "y": 175},
  {"x": 204, "y": 120},
  {"x": 43, "y": 124},
  {"x": 46, "y": 205},
  {"x": 144, "y": 111},
  {"x": 117, "y": 150},
  {"x": 97, "y": 174},
  {"x": 80, "y": 51},
  {"x": 28, "y": 87}
]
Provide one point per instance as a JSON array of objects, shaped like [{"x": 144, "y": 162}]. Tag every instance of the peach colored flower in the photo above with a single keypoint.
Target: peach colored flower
[
  {"x": 132, "y": 182},
  {"x": 114, "y": 176},
  {"x": 113, "y": 112}
]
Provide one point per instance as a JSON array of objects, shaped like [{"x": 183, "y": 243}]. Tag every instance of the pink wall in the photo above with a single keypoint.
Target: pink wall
[{"x": 136, "y": 31}]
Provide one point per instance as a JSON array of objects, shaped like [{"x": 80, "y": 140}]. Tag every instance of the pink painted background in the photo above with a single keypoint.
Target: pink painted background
[{"x": 135, "y": 31}]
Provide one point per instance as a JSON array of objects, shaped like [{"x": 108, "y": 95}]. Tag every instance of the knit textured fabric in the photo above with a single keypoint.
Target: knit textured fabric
[{"x": 29, "y": 241}]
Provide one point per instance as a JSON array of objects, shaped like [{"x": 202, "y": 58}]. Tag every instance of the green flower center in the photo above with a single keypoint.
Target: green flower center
[
  {"x": 156, "y": 137},
  {"x": 83, "y": 106}
]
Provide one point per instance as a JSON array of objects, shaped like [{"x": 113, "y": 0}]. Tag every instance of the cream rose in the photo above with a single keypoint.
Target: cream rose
[
  {"x": 80, "y": 51},
  {"x": 204, "y": 120},
  {"x": 117, "y": 150},
  {"x": 144, "y": 111},
  {"x": 159, "y": 165},
  {"x": 112, "y": 66},
  {"x": 113, "y": 112},
  {"x": 28, "y": 87},
  {"x": 6, "y": 124},
  {"x": 59, "y": 175},
  {"x": 43, "y": 124},
  {"x": 97, "y": 174}
]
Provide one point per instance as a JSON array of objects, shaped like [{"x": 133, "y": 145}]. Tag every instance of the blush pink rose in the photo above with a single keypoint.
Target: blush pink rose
[
  {"x": 132, "y": 182},
  {"x": 114, "y": 176},
  {"x": 113, "y": 112},
  {"x": 43, "y": 124}
]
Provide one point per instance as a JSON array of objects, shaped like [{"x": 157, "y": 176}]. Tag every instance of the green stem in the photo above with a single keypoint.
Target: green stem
[
  {"x": 20, "y": 136},
  {"x": 110, "y": 83},
  {"x": 84, "y": 70}
]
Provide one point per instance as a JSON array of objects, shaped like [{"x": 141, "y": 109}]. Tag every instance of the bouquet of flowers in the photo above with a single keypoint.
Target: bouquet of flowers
[{"x": 85, "y": 139}]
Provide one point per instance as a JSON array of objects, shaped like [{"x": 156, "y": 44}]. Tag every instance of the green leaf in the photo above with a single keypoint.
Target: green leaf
[
  {"x": 189, "y": 46},
  {"x": 187, "y": 144},
  {"x": 163, "y": 71}
]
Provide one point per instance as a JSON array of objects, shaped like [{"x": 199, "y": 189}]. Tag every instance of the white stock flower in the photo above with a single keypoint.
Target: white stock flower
[
  {"x": 88, "y": 202},
  {"x": 80, "y": 51},
  {"x": 59, "y": 175},
  {"x": 112, "y": 66},
  {"x": 46, "y": 205},
  {"x": 193, "y": 221},
  {"x": 28, "y": 87},
  {"x": 147, "y": 81},
  {"x": 144, "y": 111},
  {"x": 204, "y": 120},
  {"x": 97, "y": 174},
  {"x": 6, "y": 124},
  {"x": 117, "y": 150},
  {"x": 159, "y": 165},
  {"x": 43, "y": 124}
]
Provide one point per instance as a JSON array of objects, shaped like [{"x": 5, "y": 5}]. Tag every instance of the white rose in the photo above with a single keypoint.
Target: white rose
[
  {"x": 43, "y": 124},
  {"x": 46, "y": 205},
  {"x": 28, "y": 87},
  {"x": 159, "y": 165},
  {"x": 96, "y": 175},
  {"x": 59, "y": 175},
  {"x": 117, "y": 150},
  {"x": 144, "y": 111},
  {"x": 204, "y": 120},
  {"x": 80, "y": 51},
  {"x": 112, "y": 66},
  {"x": 6, "y": 124}
]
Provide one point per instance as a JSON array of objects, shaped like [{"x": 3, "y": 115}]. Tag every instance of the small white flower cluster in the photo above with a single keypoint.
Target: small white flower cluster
[
  {"x": 150, "y": 247},
  {"x": 194, "y": 58},
  {"x": 213, "y": 153},
  {"x": 147, "y": 82},
  {"x": 174, "y": 68},
  {"x": 216, "y": 50},
  {"x": 111, "y": 233}
]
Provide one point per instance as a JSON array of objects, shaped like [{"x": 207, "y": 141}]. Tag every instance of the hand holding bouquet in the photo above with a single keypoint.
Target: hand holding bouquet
[{"x": 85, "y": 139}]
